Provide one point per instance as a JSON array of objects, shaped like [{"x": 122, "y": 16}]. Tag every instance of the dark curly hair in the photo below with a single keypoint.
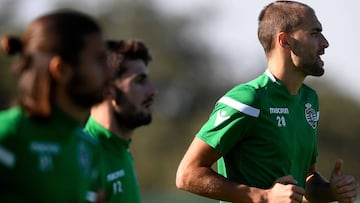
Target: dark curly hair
[{"x": 122, "y": 50}]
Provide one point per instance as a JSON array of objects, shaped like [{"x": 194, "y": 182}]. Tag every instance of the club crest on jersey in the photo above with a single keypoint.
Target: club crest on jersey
[{"x": 311, "y": 115}]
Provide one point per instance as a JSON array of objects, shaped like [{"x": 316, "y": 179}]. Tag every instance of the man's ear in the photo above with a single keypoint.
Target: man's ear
[
  {"x": 282, "y": 39},
  {"x": 58, "y": 69}
]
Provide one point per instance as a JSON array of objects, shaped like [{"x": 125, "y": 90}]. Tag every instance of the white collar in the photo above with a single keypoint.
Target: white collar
[{"x": 270, "y": 75}]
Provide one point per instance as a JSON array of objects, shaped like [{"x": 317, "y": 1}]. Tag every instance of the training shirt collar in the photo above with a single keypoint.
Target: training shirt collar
[{"x": 270, "y": 75}]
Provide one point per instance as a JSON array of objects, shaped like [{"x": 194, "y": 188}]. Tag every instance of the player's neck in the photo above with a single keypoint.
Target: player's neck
[
  {"x": 122, "y": 132},
  {"x": 103, "y": 115},
  {"x": 77, "y": 112},
  {"x": 287, "y": 75}
]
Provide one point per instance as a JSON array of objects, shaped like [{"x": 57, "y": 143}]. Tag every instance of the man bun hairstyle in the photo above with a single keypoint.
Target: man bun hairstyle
[
  {"x": 61, "y": 33},
  {"x": 11, "y": 45}
]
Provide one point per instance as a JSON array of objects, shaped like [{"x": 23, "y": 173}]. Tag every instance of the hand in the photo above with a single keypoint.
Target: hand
[
  {"x": 286, "y": 180},
  {"x": 285, "y": 190},
  {"x": 343, "y": 187}
]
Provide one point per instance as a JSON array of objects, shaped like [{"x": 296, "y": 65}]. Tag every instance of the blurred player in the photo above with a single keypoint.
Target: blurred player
[
  {"x": 44, "y": 154},
  {"x": 128, "y": 105}
]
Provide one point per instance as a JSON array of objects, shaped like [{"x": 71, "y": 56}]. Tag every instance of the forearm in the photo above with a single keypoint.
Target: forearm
[
  {"x": 318, "y": 189},
  {"x": 206, "y": 182}
]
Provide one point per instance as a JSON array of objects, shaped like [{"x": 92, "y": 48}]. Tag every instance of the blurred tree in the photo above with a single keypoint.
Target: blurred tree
[
  {"x": 7, "y": 26},
  {"x": 182, "y": 66},
  {"x": 338, "y": 129},
  {"x": 186, "y": 73},
  {"x": 7, "y": 14}
]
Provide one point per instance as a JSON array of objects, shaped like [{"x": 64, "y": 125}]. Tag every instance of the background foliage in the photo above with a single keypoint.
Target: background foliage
[{"x": 190, "y": 78}]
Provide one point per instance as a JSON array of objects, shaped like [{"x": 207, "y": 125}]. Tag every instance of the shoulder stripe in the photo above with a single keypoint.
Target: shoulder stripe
[
  {"x": 7, "y": 157},
  {"x": 246, "y": 109}
]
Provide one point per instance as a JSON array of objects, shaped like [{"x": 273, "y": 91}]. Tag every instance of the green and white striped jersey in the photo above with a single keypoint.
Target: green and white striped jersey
[{"x": 263, "y": 132}]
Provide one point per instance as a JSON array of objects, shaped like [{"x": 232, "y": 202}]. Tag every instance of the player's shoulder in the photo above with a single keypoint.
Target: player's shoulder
[
  {"x": 11, "y": 116},
  {"x": 94, "y": 129},
  {"x": 11, "y": 113},
  {"x": 84, "y": 135},
  {"x": 10, "y": 119},
  {"x": 307, "y": 91},
  {"x": 248, "y": 92}
]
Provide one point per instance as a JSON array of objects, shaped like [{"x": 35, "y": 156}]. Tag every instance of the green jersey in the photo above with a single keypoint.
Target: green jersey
[
  {"x": 45, "y": 160},
  {"x": 117, "y": 174},
  {"x": 263, "y": 132}
]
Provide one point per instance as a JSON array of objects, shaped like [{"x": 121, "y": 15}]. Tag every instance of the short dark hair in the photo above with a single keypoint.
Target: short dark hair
[
  {"x": 279, "y": 16},
  {"x": 122, "y": 50},
  {"x": 59, "y": 33}
]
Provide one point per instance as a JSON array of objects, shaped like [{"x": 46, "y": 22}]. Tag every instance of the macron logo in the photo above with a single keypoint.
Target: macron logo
[
  {"x": 279, "y": 111},
  {"x": 221, "y": 117}
]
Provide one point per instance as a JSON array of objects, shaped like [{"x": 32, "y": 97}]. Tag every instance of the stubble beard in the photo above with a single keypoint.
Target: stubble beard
[
  {"x": 131, "y": 120},
  {"x": 313, "y": 69},
  {"x": 126, "y": 114}
]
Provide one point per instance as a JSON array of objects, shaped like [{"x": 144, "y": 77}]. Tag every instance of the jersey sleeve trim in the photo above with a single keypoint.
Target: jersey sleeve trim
[
  {"x": 7, "y": 157},
  {"x": 246, "y": 109}
]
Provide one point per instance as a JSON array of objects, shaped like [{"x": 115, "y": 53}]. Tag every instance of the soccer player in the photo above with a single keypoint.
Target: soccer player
[
  {"x": 264, "y": 133},
  {"x": 128, "y": 105},
  {"x": 44, "y": 154}
]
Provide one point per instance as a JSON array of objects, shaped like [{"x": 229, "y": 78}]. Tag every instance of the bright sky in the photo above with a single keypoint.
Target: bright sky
[{"x": 234, "y": 25}]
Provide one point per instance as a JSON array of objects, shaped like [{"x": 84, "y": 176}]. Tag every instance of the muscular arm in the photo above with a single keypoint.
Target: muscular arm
[{"x": 196, "y": 175}]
